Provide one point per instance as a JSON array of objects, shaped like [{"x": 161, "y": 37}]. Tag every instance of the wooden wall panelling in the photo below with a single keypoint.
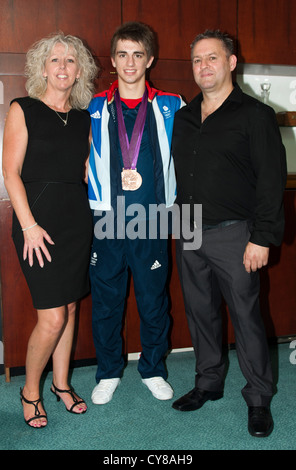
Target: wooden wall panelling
[
  {"x": 18, "y": 313},
  {"x": 278, "y": 299},
  {"x": 12, "y": 85},
  {"x": 267, "y": 31},
  {"x": 30, "y": 20},
  {"x": 174, "y": 76},
  {"x": 177, "y": 22},
  {"x": 15, "y": 295},
  {"x": 107, "y": 74},
  {"x": 179, "y": 332},
  {"x": 25, "y": 22}
]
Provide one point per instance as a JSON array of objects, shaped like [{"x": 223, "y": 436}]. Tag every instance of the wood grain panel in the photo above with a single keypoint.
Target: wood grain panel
[
  {"x": 93, "y": 20},
  {"x": 24, "y": 22},
  {"x": 18, "y": 311},
  {"x": 267, "y": 31},
  {"x": 174, "y": 76},
  {"x": 278, "y": 281},
  {"x": 177, "y": 22},
  {"x": 13, "y": 85},
  {"x": 179, "y": 333}
]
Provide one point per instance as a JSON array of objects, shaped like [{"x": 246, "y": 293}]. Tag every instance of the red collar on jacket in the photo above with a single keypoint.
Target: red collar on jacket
[{"x": 110, "y": 93}]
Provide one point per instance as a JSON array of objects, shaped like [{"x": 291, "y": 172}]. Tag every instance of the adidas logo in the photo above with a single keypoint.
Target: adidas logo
[
  {"x": 155, "y": 265},
  {"x": 96, "y": 115}
]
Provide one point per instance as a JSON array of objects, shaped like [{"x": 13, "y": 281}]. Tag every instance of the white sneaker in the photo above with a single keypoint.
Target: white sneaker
[
  {"x": 103, "y": 392},
  {"x": 159, "y": 388}
]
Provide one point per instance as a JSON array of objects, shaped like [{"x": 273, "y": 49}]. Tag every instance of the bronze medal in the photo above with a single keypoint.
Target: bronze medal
[{"x": 131, "y": 179}]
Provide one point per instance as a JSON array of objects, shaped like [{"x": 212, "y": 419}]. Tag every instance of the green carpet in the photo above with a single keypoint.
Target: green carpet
[{"x": 134, "y": 420}]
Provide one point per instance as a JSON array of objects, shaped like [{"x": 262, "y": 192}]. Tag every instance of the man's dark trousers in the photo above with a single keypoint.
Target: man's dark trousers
[{"x": 217, "y": 268}]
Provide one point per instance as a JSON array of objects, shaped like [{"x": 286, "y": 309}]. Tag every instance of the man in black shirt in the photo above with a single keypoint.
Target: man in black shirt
[{"x": 229, "y": 158}]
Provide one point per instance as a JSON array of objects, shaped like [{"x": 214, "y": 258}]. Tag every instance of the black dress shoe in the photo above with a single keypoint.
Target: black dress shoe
[
  {"x": 260, "y": 422},
  {"x": 195, "y": 399}
]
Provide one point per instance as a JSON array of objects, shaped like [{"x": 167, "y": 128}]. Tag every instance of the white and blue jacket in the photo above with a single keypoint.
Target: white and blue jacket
[{"x": 104, "y": 174}]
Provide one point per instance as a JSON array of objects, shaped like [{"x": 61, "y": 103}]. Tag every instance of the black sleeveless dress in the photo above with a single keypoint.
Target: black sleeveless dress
[{"x": 52, "y": 173}]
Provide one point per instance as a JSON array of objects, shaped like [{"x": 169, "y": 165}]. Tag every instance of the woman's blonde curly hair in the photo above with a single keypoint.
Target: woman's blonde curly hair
[{"x": 83, "y": 89}]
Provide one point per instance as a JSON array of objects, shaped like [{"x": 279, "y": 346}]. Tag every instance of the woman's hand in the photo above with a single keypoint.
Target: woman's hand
[{"x": 34, "y": 242}]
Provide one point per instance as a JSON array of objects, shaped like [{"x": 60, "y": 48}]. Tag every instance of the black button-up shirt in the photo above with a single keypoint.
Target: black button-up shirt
[{"x": 234, "y": 164}]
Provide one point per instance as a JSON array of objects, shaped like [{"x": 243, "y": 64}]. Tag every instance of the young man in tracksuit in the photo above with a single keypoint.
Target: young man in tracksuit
[{"x": 130, "y": 171}]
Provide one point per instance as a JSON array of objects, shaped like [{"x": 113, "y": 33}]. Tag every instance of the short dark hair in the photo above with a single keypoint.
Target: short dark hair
[
  {"x": 137, "y": 32},
  {"x": 215, "y": 34}
]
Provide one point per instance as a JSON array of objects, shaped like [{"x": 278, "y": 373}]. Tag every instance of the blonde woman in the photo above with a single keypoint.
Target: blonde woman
[{"x": 45, "y": 150}]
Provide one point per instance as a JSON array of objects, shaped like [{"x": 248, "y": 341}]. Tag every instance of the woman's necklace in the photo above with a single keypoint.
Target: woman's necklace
[{"x": 65, "y": 121}]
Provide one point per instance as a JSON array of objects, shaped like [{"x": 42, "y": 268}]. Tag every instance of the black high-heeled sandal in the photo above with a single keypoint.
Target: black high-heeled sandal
[
  {"x": 71, "y": 392},
  {"x": 35, "y": 403}
]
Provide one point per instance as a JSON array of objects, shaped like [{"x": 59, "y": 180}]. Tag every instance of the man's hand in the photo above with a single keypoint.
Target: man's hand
[{"x": 255, "y": 256}]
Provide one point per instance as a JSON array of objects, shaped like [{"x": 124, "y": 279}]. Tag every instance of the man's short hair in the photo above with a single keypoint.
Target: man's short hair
[
  {"x": 215, "y": 34},
  {"x": 136, "y": 32}
]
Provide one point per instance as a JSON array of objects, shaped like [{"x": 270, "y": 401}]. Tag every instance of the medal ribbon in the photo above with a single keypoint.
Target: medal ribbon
[{"x": 130, "y": 150}]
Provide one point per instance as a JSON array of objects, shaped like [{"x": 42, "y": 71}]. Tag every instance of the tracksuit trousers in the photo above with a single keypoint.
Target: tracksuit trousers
[{"x": 111, "y": 260}]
